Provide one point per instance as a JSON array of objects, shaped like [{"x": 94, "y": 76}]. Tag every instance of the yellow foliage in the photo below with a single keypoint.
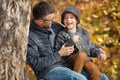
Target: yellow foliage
[{"x": 102, "y": 20}]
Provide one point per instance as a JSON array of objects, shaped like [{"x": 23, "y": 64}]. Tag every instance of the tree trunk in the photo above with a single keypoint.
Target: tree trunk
[{"x": 14, "y": 28}]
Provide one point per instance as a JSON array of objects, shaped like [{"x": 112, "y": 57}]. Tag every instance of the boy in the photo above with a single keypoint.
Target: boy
[{"x": 78, "y": 37}]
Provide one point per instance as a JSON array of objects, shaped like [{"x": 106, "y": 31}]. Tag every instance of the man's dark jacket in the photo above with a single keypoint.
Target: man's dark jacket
[{"x": 40, "y": 53}]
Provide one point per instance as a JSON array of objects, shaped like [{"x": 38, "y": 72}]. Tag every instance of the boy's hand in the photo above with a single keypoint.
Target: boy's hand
[
  {"x": 102, "y": 55},
  {"x": 75, "y": 38}
]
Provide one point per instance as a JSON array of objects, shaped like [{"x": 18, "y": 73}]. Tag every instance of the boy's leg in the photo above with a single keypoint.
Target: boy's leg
[
  {"x": 78, "y": 61},
  {"x": 62, "y": 73},
  {"x": 92, "y": 70}
]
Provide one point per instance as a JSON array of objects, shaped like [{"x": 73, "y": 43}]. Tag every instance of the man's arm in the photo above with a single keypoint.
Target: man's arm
[{"x": 37, "y": 61}]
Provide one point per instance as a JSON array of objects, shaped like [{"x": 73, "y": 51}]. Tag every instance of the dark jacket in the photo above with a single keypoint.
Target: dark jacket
[
  {"x": 41, "y": 55},
  {"x": 83, "y": 45}
]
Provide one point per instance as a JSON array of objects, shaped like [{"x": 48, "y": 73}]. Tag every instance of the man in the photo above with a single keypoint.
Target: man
[{"x": 41, "y": 56}]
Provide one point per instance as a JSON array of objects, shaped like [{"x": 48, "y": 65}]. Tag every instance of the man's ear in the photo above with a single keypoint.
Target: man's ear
[{"x": 39, "y": 21}]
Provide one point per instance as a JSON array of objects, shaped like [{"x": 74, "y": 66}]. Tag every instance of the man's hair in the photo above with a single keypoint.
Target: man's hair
[{"x": 42, "y": 9}]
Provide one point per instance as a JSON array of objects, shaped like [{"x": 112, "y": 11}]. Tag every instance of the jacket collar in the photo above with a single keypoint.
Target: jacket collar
[
  {"x": 36, "y": 28},
  {"x": 78, "y": 28}
]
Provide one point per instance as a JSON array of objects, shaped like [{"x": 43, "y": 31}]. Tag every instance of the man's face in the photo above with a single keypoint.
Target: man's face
[{"x": 47, "y": 21}]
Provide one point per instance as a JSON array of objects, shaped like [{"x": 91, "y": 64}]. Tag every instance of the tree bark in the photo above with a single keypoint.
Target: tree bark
[{"x": 14, "y": 29}]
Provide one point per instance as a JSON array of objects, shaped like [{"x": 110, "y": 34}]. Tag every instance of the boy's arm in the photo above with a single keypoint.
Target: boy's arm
[
  {"x": 69, "y": 43},
  {"x": 60, "y": 40},
  {"x": 97, "y": 51}
]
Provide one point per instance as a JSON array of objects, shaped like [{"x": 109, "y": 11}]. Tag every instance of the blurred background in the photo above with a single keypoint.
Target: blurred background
[{"x": 102, "y": 19}]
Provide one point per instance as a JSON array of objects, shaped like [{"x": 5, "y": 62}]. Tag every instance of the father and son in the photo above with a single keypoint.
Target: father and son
[{"x": 61, "y": 53}]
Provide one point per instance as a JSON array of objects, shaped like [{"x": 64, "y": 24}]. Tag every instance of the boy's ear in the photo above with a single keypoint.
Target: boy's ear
[{"x": 77, "y": 21}]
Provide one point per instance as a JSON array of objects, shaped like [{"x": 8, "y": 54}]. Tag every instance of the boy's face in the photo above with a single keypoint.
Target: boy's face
[{"x": 70, "y": 21}]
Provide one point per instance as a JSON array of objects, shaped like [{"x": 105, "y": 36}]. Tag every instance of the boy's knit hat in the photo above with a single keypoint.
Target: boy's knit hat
[{"x": 71, "y": 10}]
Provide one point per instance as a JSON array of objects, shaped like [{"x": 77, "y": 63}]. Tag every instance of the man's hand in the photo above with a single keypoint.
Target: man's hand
[
  {"x": 65, "y": 51},
  {"x": 102, "y": 55}
]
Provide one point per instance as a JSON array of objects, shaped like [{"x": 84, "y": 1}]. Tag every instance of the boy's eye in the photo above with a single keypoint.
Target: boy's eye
[{"x": 69, "y": 18}]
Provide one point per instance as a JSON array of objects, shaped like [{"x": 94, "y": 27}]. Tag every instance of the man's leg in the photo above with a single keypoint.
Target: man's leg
[
  {"x": 62, "y": 73},
  {"x": 103, "y": 76}
]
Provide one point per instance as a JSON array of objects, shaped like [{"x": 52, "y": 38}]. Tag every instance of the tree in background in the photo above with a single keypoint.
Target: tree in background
[{"x": 14, "y": 27}]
